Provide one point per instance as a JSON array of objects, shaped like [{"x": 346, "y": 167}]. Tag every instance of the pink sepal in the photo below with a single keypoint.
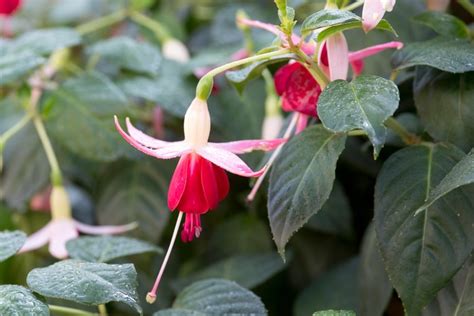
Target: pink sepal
[
  {"x": 143, "y": 138},
  {"x": 104, "y": 230},
  {"x": 245, "y": 146},
  {"x": 61, "y": 231}
]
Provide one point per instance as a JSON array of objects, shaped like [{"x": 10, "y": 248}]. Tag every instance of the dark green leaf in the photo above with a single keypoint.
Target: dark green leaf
[
  {"x": 328, "y": 17},
  {"x": 364, "y": 103},
  {"x": 87, "y": 283},
  {"x": 10, "y": 243},
  {"x": 17, "y": 300},
  {"x": 301, "y": 181},
  {"x": 136, "y": 193},
  {"x": 462, "y": 174},
  {"x": 335, "y": 313},
  {"x": 444, "y": 53},
  {"x": 107, "y": 248},
  {"x": 445, "y": 104},
  {"x": 240, "y": 78},
  {"x": 247, "y": 270},
  {"x": 335, "y": 216},
  {"x": 15, "y": 65},
  {"x": 95, "y": 89},
  {"x": 443, "y": 24},
  {"x": 383, "y": 26},
  {"x": 73, "y": 123},
  {"x": 219, "y": 297},
  {"x": 457, "y": 298},
  {"x": 335, "y": 289},
  {"x": 129, "y": 54},
  {"x": 423, "y": 252},
  {"x": 374, "y": 286},
  {"x": 45, "y": 41}
]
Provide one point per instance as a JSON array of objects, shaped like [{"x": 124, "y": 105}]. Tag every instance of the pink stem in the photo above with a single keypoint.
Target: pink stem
[{"x": 151, "y": 296}]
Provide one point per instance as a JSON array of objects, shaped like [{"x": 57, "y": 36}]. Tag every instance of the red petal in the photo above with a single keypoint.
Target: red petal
[
  {"x": 209, "y": 184},
  {"x": 222, "y": 181},
  {"x": 193, "y": 199},
  {"x": 178, "y": 182},
  {"x": 302, "y": 92},
  {"x": 8, "y": 7},
  {"x": 283, "y": 75},
  {"x": 323, "y": 56}
]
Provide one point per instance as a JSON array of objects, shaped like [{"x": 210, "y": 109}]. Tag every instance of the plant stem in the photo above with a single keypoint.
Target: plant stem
[
  {"x": 354, "y": 5},
  {"x": 152, "y": 25},
  {"x": 313, "y": 68},
  {"x": 69, "y": 311},
  {"x": 357, "y": 132},
  {"x": 407, "y": 137},
  {"x": 466, "y": 4},
  {"x": 102, "y": 310},
  {"x": 102, "y": 22},
  {"x": 13, "y": 130}
]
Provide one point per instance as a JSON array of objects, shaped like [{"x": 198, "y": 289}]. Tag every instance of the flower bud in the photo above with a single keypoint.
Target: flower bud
[
  {"x": 60, "y": 204},
  {"x": 175, "y": 50},
  {"x": 197, "y": 123}
]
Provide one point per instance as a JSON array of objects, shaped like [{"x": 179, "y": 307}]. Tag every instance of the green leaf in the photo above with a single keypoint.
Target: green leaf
[
  {"x": 15, "y": 65},
  {"x": 10, "y": 243},
  {"x": 444, "y": 53},
  {"x": 107, "y": 248},
  {"x": 87, "y": 283},
  {"x": 334, "y": 313},
  {"x": 423, "y": 252},
  {"x": 443, "y": 24},
  {"x": 240, "y": 78},
  {"x": 324, "y": 34},
  {"x": 247, "y": 270},
  {"x": 170, "y": 88},
  {"x": 99, "y": 91},
  {"x": 136, "y": 192},
  {"x": 374, "y": 286},
  {"x": 301, "y": 181},
  {"x": 326, "y": 18},
  {"x": 457, "y": 298},
  {"x": 335, "y": 216},
  {"x": 129, "y": 54},
  {"x": 45, "y": 41},
  {"x": 462, "y": 174},
  {"x": 17, "y": 300},
  {"x": 445, "y": 104},
  {"x": 364, "y": 103},
  {"x": 335, "y": 289},
  {"x": 73, "y": 123},
  {"x": 178, "y": 312},
  {"x": 219, "y": 297}
]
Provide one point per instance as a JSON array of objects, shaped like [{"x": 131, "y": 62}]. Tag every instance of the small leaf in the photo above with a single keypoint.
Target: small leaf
[
  {"x": 219, "y": 297},
  {"x": 364, "y": 103},
  {"x": 17, "y": 300},
  {"x": 87, "y": 283},
  {"x": 444, "y": 53},
  {"x": 461, "y": 174},
  {"x": 107, "y": 248},
  {"x": 10, "y": 243},
  {"x": 136, "y": 193},
  {"x": 324, "y": 34},
  {"x": 443, "y": 24},
  {"x": 247, "y": 270},
  {"x": 301, "y": 181},
  {"x": 129, "y": 54},
  {"x": 335, "y": 289},
  {"x": 415, "y": 247},
  {"x": 15, "y": 65},
  {"x": 45, "y": 41},
  {"x": 445, "y": 104},
  {"x": 374, "y": 286},
  {"x": 334, "y": 313},
  {"x": 328, "y": 17},
  {"x": 457, "y": 298},
  {"x": 240, "y": 78}
]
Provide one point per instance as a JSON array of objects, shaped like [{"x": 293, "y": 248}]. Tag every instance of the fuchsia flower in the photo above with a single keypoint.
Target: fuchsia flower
[
  {"x": 373, "y": 12},
  {"x": 199, "y": 182},
  {"x": 63, "y": 228},
  {"x": 9, "y": 7}
]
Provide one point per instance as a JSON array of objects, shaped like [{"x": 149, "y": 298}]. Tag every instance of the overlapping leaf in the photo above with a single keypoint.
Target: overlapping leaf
[
  {"x": 10, "y": 243},
  {"x": 17, "y": 300}
]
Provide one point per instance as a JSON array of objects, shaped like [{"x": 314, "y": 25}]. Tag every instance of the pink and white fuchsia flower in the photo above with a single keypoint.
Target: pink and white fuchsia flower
[
  {"x": 199, "y": 182},
  {"x": 374, "y": 11}
]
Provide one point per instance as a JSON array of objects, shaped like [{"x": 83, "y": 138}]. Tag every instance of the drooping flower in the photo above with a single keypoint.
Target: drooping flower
[
  {"x": 373, "y": 11},
  {"x": 9, "y": 7},
  {"x": 63, "y": 227},
  {"x": 175, "y": 50}
]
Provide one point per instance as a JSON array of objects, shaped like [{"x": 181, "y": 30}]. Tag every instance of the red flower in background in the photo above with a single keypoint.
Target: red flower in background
[{"x": 9, "y": 7}]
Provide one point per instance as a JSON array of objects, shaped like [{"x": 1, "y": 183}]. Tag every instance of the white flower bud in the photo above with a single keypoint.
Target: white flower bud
[
  {"x": 60, "y": 204},
  {"x": 197, "y": 124},
  {"x": 175, "y": 50}
]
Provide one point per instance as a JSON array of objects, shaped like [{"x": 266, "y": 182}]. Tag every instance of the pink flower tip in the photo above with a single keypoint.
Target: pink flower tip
[{"x": 150, "y": 298}]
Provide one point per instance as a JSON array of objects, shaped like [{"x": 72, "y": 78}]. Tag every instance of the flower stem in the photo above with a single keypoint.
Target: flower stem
[
  {"x": 407, "y": 137},
  {"x": 102, "y": 22},
  {"x": 466, "y": 4},
  {"x": 102, "y": 310},
  {"x": 357, "y": 132},
  {"x": 354, "y": 5},
  {"x": 313, "y": 68},
  {"x": 151, "y": 24},
  {"x": 13, "y": 130},
  {"x": 61, "y": 310},
  {"x": 151, "y": 296}
]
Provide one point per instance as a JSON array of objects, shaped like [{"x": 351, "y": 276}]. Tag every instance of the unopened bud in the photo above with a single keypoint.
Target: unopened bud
[
  {"x": 197, "y": 123},
  {"x": 175, "y": 50},
  {"x": 60, "y": 204}
]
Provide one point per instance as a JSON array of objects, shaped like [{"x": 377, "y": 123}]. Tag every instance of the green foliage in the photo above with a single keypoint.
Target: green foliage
[
  {"x": 443, "y": 24},
  {"x": 17, "y": 300},
  {"x": 10, "y": 243},
  {"x": 15, "y": 65},
  {"x": 328, "y": 18}
]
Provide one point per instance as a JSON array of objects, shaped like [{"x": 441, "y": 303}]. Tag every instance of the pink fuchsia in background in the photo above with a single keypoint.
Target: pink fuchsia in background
[
  {"x": 7, "y": 9},
  {"x": 373, "y": 11}
]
